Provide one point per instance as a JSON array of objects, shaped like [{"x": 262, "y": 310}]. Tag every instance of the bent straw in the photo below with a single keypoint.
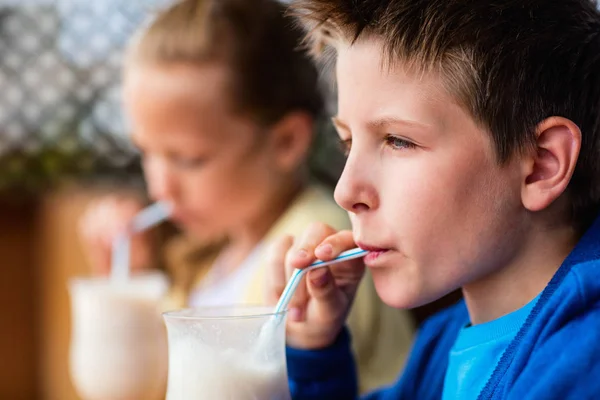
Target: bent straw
[
  {"x": 297, "y": 275},
  {"x": 145, "y": 219}
]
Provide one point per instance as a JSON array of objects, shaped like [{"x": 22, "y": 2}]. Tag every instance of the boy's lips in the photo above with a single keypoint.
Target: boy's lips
[{"x": 374, "y": 253}]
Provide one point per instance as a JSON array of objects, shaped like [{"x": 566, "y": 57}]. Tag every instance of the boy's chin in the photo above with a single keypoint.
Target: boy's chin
[
  {"x": 402, "y": 295},
  {"x": 396, "y": 296}
]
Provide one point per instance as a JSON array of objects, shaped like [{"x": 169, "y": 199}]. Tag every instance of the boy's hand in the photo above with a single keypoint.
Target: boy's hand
[
  {"x": 321, "y": 303},
  {"x": 101, "y": 222}
]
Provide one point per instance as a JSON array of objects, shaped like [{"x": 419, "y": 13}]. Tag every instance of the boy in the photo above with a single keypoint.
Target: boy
[{"x": 473, "y": 138}]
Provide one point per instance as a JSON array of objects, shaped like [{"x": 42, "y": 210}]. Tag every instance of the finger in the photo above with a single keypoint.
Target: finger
[
  {"x": 335, "y": 244},
  {"x": 322, "y": 288},
  {"x": 114, "y": 215},
  {"x": 298, "y": 302},
  {"x": 99, "y": 221},
  {"x": 328, "y": 302},
  {"x": 92, "y": 230},
  {"x": 127, "y": 208},
  {"x": 301, "y": 256},
  {"x": 276, "y": 275},
  {"x": 304, "y": 249},
  {"x": 300, "y": 298},
  {"x": 344, "y": 277}
]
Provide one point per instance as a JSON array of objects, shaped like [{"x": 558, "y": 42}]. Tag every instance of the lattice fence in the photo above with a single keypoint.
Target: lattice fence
[{"x": 60, "y": 106}]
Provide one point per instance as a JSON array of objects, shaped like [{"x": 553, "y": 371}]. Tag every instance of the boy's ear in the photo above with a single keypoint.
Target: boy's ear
[
  {"x": 291, "y": 138},
  {"x": 549, "y": 169}
]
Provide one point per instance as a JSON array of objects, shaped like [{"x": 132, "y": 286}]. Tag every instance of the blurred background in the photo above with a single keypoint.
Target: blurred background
[{"x": 63, "y": 142}]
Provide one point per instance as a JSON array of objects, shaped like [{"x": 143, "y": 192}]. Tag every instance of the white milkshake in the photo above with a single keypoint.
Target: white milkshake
[
  {"x": 223, "y": 359},
  {"x": 118, "y": 343}
]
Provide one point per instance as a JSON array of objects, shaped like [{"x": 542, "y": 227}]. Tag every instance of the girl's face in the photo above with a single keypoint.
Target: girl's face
[{"x": 217, "y": 168}]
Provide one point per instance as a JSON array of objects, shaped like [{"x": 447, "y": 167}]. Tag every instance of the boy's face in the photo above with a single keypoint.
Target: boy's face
[
  {"x": 421, "y": 182},
  {"x": 209, "y": 162}
]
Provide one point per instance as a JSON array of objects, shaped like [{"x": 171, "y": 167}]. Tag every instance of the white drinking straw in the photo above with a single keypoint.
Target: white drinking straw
[{"x": 121, "y": 246}]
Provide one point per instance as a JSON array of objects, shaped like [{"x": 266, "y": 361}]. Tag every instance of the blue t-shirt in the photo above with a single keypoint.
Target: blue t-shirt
[{"x": 476, "y": 353}]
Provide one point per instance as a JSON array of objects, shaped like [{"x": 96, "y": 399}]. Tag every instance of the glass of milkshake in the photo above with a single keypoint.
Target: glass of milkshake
[
  {"x": 227, "y": 353},
  {"x": 118, "y": 338}
]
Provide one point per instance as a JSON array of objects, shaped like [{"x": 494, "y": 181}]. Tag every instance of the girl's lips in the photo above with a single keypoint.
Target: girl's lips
[
  {"x": 179, "y": 217},
  {"x": 176, "y": 216}
]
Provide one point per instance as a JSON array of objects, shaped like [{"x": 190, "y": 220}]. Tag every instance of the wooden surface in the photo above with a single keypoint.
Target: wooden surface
[
  {"x": 18, "y": 298},
  {"x": 60, "y": 259}
]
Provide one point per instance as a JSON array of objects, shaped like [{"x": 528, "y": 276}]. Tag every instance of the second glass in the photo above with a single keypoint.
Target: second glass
[{"x": 118, "y": 342}]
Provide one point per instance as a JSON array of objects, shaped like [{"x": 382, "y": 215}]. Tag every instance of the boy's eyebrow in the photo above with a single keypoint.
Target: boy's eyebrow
[
  {"x": 383, "y": 122},
  {"x": 387, "y": 121}
]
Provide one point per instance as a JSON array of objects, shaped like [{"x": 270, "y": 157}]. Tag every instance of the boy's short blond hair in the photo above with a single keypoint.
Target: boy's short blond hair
[{"x": 511, "y": 64}]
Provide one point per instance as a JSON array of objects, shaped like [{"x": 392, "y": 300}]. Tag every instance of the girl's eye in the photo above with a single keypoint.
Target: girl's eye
[
  {"x": 188, "y": 162},
  {"x": 397, "y": 143},
  {"x": 345, "y": 146}
]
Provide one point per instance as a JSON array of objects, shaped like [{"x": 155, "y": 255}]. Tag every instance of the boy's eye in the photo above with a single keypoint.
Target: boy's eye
[
  {"x": 398, "y": 143},
  {"x": 345, "y": 146}
]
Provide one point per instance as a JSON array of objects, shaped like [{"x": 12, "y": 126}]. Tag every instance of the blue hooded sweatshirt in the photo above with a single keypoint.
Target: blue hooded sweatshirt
[{"x": 555, "y": 355}]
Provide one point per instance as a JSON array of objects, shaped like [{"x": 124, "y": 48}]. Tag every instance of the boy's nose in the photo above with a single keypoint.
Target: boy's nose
[{"x": 355, "y": 192}]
